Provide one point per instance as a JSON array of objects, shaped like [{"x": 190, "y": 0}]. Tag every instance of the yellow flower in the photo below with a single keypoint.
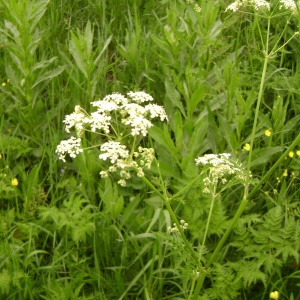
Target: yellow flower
[
  {"x": 274, "y": 295},
  {"x": 3, "y": 84},
  {"x": 291, "y": 154},
  {"x": 0, "y": 156},
  {"x": 246, "y": 147},
  {"x": 298, "y": 152},
  {"x": 14, "y": 182},
  {"x": 285, "y": 173},
  {"x": 268, "y": 132}
]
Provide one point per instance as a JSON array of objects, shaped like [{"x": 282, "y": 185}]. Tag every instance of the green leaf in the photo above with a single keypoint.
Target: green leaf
[
  {"x": 174, "y": 96},
  {"x": 162, "y": 137},
  {"x": 43, "y": 64},
  {"x": 49, "y": 75},
  {"x": 262, "y": 156}
]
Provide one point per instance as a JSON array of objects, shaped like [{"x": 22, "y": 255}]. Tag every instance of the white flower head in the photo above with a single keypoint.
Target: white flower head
[
  {"x": 100, "y": 121},
  {"x": 79, "y": 119},
  {"x": 288, "y": 4},
  {"x": 140, "y": 97},
  {"x": 138, "y": 123},
  {"x": 219, "y": 167},
  {"x": 72, "y": 146},
  {"x": 113, "y": 151},
  {"x": 156, "y": 111},
  {"x": 105, "y": 106},
  {"x": 256, "y": 4},
  {"x": 116, "y": 98}
]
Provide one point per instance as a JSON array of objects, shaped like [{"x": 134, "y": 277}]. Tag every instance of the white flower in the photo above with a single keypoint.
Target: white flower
[
  {"x": 100, "y": 121},
  {"x": 213, "y": 159},
  {"x": 156, "y": 111},
  {"x": 147, "y": 155},
  {"x": 140, "y": 97},
  {"x": 139, "y": 124},
  {"x": 133, "y": 109},
  {"x": 256, "y": 4},
  {"x": 220, "y": 166},
  {"x": 116, "y": 98},
  {"x": 104, "y": 174},
  {"x": 70, "y": 146},
  {"x": 113, "y": 151},
  {"x": 122, "y": 182},
  {"x": 140, "y": 172},
  {"x": 105, "y": 106},
  {"x": 288, "y": 4},
  {"x": 78, "y": 119}
]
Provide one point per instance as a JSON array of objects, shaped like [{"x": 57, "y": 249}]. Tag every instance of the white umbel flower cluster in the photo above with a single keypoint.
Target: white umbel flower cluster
[
  {"x": 219, "y": 167},
  {"x": 288, "y": 4},
  {"x": 118, "y": 120},
  {"x": 72, "y": 146},
  {"x": 113, "y": 151},
  {"x": 123, "y": 163},
  {"x": 256, "y": 4}
]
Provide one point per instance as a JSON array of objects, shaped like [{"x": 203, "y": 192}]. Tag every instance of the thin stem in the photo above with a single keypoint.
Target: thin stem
[
  {"x": 187, "y": 186},
  {"x": 173, "y": 216},
  {"x": 245, "y": 199},
  {"x": 259, "y": 98},
  {"x": 210, "y": 213}
]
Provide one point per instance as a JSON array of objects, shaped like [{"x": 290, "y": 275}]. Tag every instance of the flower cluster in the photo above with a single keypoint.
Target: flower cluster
[
  {"x": 123, "y": 163},
  {"x": 219, "y": 167},
  {"x": 72, "y": 146},
  {"x": 288, "y": 4},
  {"x": 120, "y": 120},
  {"x": 175, "y": 229},
  {"x": 256, "y": 4},
  {"x": 196, "y": 7}
]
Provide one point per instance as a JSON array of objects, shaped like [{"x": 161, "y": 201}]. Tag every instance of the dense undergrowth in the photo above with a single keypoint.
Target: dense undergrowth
[{"x": 192, "y": 226}]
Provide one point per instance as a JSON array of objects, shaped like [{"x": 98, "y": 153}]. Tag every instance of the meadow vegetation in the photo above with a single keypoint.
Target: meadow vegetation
[{"x": 149, "y": 149}]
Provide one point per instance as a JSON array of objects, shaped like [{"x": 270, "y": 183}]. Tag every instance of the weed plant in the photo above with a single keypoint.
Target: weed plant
[{"x": 184, "y": 184}]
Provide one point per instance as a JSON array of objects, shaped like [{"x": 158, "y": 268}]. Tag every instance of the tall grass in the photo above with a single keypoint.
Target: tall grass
[{"x": 229, "y": 84}]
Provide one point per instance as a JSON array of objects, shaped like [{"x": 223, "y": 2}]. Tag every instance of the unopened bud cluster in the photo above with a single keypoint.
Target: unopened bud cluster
[{"x": 174, "y": 229}]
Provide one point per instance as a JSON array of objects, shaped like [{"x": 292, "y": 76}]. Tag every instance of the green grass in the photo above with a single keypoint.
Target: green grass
[{"x": 224, "y": 78}]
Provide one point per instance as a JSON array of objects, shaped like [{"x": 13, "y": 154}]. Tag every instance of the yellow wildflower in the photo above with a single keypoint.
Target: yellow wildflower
[
  {"x": 285, "y": 173},
  {"x": 14, "y": 182},
  {"x": 291, "y": 154},
  {"x": 3, "y": 84},
  {"x": 274, "y": 295},
  {"x": 268, "y": 132},
  {"x": 298, "y": 152},
  {"x": 0, "y": 156},
  {"x": 246, "y": 147}
]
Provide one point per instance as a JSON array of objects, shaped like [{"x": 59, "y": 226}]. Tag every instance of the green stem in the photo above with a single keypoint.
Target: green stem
[
  {"x": 187, "y": 186},
  {"x": 210, "y": 213},
  {"x": 173, "y": 216},
  {"x": 245, "y": 199},
  {"x": 259, "y": 98}
]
